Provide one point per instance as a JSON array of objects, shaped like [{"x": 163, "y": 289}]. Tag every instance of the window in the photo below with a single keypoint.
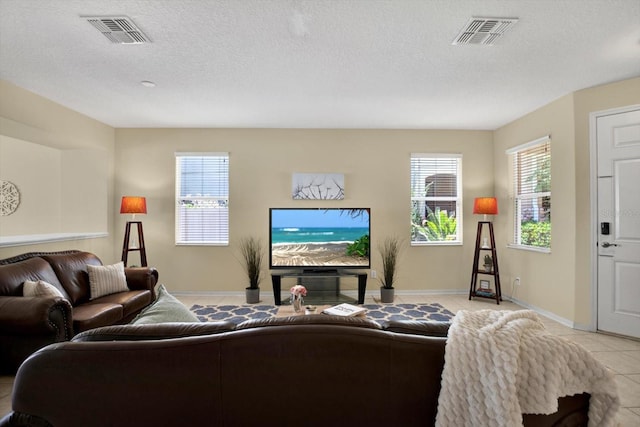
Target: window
[
  {"x": 202, "y": 198},
  {"x": 531, "y": 163},
  {"x": 436, "y": 199}
]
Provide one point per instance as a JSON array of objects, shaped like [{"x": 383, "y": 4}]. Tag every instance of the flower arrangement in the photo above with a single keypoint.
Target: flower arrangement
[{"x": 299, "y": 291}]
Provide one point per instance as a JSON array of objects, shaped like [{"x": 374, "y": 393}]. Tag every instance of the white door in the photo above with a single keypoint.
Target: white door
[{"x": 618, "y": 142}]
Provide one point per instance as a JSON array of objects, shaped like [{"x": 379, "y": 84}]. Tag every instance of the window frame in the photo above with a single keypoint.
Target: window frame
[
  {"x": 517, "y": 197},
  {"x": 458, "y": 199},
  {"x": 223, "y": 227}
]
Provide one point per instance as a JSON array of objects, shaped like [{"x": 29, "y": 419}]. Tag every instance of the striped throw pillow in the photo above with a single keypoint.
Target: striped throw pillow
[{"x": 106, "y": 279}]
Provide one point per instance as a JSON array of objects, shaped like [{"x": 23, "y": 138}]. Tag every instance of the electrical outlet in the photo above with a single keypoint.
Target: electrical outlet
[
  {"x": 374, "y": 274},
  {"x": 517, "y": 281}
]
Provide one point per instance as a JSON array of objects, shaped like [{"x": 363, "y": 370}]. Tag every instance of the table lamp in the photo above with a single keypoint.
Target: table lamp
[
  {"x": 485, "y": 206},
  {"x": 133, "y": 205}
]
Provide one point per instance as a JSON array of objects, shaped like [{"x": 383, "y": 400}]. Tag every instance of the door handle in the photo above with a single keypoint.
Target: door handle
[{"x": 607, "y": 244}]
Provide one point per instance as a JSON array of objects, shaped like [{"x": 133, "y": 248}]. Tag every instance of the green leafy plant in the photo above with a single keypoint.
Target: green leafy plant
[
  {"x": 389, "y": 249},
  {"x": 360, "y": 247},
  {"x": 439, "y": 226},
  {"x": 252, "y": 259},
  {"x": 538, "y": 234}
]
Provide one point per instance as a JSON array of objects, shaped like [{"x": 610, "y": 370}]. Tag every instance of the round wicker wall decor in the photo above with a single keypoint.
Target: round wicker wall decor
[{"x": 9, "y": 198}]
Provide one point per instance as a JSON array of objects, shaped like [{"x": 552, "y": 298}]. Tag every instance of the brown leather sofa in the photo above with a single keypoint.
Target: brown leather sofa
[
  {"x": 313, "y": 370},
  {"x": 29, "y": 323}
]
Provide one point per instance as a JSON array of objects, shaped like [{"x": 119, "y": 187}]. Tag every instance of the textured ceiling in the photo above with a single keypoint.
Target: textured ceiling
[{"x": 316, "y": 63}]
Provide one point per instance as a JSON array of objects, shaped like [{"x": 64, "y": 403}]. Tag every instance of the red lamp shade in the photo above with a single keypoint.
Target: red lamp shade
[
  {"x": 485, "y": 205},
  {"x": 133, "y": 205}
]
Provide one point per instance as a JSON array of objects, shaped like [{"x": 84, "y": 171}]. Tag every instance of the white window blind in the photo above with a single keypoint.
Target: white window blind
[
  {"x": 436, "y": 198},
  {"x": 202, "y": 198},
  {"x": 531, "y": 164}
]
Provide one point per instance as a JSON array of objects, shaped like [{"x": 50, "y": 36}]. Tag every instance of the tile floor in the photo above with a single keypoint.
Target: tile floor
[{"x": 621, "y": 355}]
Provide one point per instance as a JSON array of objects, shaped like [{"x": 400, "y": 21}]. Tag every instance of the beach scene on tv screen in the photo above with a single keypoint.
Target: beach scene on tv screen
[{"x": 320, "y": 238}]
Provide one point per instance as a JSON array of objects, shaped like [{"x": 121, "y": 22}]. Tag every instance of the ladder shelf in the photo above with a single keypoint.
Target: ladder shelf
[{"x": 485, "y": 292}]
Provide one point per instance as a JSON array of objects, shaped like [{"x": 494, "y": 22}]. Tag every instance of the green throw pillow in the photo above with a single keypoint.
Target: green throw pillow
[{"x": 166, "y": 308}]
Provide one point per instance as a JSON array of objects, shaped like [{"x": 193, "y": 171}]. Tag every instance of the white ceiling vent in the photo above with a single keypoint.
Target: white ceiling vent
[
  {"x": 484, "y": 31},
  {"x": 118, "y": 29}
]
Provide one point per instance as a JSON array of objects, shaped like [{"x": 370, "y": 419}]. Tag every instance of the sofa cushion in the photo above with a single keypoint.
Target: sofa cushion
[
  {"x": 131, "y": 301},
  {"x": 166, "y": 308},
  {"x": 71, "y": 269},
  {"x": 13, "y": 276},
  {"x": 40, "y": 289},
  {"x": 89, "y": 316},
  {"x": 106, "y": 280}
]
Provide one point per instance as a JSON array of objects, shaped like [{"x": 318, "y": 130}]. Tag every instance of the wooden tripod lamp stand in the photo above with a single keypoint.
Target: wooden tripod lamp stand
[
  {"x": 485, "y": 206},
  {"x": 133, "y": 205}
]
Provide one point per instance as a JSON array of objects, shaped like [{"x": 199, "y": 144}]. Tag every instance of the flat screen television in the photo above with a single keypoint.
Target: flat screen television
[{"x": 319, "y": 239}]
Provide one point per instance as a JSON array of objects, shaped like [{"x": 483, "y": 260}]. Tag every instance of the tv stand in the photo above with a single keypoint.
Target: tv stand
[
  {"x": 317, "y": 271},
  {"x": 276, "y": 280}
]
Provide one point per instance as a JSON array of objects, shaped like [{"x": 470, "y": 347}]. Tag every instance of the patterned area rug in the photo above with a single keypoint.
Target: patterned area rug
[
  {"x": 433, "y": 311},
  {"x": 378, "y": 312},
  {"x": 233, "y": 313}
]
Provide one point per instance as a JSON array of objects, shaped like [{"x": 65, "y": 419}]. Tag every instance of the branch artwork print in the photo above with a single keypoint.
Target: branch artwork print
[{"x": 317, "y": 186}]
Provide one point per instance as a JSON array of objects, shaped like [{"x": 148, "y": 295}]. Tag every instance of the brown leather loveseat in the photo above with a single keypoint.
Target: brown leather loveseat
[
  {"x": 312, "y": 370},
  {"x": 29, "y": 323}
]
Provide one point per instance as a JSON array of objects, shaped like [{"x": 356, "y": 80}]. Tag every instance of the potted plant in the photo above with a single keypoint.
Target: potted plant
[
  {"x": 389, "y": 249},
  {"x": 488, "y": 263},
  {"x": 251, "y": 252}
]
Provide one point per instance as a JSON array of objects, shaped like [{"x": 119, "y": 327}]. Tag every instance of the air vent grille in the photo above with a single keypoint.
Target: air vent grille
[
  {"x": 118, "y": 29},
  {"x": 484, "y": 31}
]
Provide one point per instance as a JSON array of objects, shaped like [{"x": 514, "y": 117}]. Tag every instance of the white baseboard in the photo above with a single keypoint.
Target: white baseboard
[
  {"x": 434, "y": 292},
  {"x": 354, "y": 293},
  {"x": 545, "y": 313},
  {"x": 208, "y": 293}
]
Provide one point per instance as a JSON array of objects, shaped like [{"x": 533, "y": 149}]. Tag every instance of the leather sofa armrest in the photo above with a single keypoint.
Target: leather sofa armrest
[
  {"x": 15, "y": 419},
  {"x": 140, "y": 278},
  {"x": 36, "y": 315},
  {"x": 417, "y": 327},
  {"x": 158, "y": 331},
  {"x": 572, "y": 411}
]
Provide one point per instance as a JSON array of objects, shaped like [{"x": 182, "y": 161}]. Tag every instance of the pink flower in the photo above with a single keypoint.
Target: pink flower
[{"x": 299, "y": 290}]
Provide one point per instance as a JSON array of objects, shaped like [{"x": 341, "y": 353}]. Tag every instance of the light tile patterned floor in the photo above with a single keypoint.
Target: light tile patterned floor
[{"x": 620, "y": 355}]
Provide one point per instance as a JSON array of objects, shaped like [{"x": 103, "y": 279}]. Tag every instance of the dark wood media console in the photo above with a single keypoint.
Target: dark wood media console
[{"x": 276, "y": 280}]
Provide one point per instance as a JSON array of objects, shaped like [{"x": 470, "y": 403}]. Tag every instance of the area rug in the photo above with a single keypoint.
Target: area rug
[
  {"x": 378, "y": 312},
  {"x": 233, "y": 313}
]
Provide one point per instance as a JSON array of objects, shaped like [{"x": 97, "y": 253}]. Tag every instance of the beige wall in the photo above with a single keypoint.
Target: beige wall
[
  {"x": 71, "y": 140},
  {"x": 559, "y": 282},
  {"x": 587, "y": 101},
  {"x": 38, "y": 180},
  {"x": 546, "y": 280},
  {"x": 61, "y": 191},
  {"x": 376, "y": 168}
]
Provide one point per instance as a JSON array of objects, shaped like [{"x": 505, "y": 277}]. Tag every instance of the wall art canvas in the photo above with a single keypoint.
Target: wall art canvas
[{"x": 317, "y": 186}]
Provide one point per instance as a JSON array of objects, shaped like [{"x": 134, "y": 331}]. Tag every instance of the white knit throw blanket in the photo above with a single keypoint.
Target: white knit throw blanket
[{"x": 501, "y": 364}]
